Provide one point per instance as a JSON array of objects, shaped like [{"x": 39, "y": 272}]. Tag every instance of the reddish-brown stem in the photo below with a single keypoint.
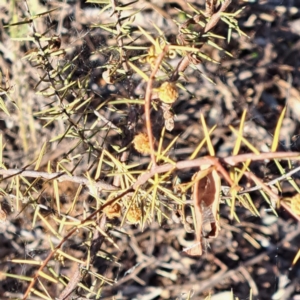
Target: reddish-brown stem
[
  {"x": 216, "y": 16},
  {"x": 259, "y": 182},
  {"x": 215, "y": 161},
  {"x": 148, "y": 103},
  {"x": 59, "y": 176},
  {"x": 185, "y": 164}
]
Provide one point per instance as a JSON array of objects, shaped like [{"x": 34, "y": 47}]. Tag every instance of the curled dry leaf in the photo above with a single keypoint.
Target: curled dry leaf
[{"x": 206, "y": 195}]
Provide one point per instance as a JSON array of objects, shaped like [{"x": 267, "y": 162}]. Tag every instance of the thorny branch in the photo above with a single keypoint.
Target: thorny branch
[
  {"x": 156, "y": 169},
  {"x": 185, "y": 164},
  {"x": 185, "y": 62},
  {"x": 232, "y": 160},
  {"x": 71, "y": 232}
]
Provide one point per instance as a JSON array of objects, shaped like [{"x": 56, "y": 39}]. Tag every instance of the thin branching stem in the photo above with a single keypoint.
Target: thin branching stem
[
  {"x": 146, "y": 176},
  {"x": 216, "y": 16},
  {"x": 185, "y": 164},
  {"x": 213, "y": 21},
  {"x": 148, "y": 103},
  {"x": 274, "y": 181}
]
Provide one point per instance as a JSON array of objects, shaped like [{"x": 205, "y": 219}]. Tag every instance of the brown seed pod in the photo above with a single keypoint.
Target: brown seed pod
[
  {"x": 206, "y": 194},
  {"x": 112, "y": 211}
]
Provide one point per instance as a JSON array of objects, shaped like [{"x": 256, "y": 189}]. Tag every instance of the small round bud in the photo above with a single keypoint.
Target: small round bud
[
  {"x": 295, "y": 204},
  {"x": 134, "y": 214},
  {"x": 141, "y": 143},
  {"x": 168, "y": 92}
]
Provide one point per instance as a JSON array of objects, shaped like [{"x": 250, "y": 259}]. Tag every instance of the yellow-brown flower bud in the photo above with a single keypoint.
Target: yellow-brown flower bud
[
  {"x": 141, "y": 143},
  {"x": 134, "y": 214},
  {"x": 168, "y": 92},
  {"x": 295, "y": 204}
]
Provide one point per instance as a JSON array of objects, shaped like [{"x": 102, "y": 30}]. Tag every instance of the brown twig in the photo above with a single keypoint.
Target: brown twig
[
  {"x": 235, "y": 159},
  {"x": 73, "y": 282},
  {"x": 274, "y": 181},
  {"x": 148, "y": 103},
  {"x": 216, "y": 16},
  {"x": 250, "y": 280},
  {"x": 60, "y": 176},
  {"x": 77, "y": 275},
  {"x": 263, "y": 186},
  {"x": 208, "y": 160},
  {"x": 186, "y": 164}
]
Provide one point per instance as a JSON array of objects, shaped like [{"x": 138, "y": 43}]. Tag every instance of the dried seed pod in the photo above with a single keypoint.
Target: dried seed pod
[
  {"x": 112, "y": 211},
  {"x": 206, "y": 194},
  {"x": 169, "y": 120},
  {"x": 141, "y": 143}
]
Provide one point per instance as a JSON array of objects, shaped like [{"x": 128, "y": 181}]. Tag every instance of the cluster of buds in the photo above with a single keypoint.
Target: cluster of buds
[{"x": 134, "y": 213}]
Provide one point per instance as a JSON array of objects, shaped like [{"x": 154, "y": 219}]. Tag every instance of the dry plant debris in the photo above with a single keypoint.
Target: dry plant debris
[{"x": 149, "y": 150}]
